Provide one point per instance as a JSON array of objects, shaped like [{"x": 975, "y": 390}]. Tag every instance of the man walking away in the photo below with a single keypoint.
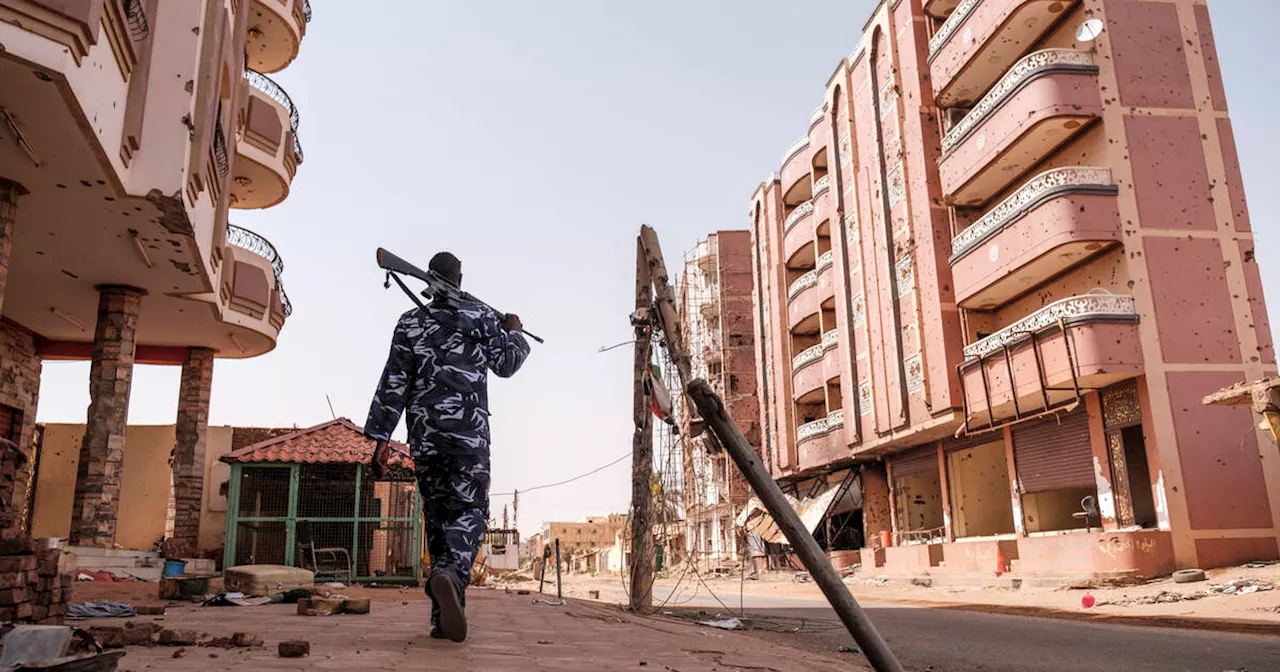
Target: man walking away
[{"x": 437, "y": 375}]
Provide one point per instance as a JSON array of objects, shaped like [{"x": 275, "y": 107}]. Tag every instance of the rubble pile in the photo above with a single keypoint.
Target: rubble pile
[
  {"x": 31, "y": 588},
  {"x": 1234, "y": 587}
]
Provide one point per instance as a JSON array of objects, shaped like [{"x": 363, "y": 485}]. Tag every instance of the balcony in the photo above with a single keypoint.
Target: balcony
[
  {"x": 795, "y": 170},
  {"x": 795, "y": 236},
  {"x": 980, "y": 38},
  {"x": 803, "y": 302},
  {"x": 825, "y": 261},
  {"x": 808, "y": 377},
  {"x": 276, "y": 29},
  {"x": 1048, "y": 98},
  {"x": 268, "y": 152},
  {"x": 1050, "y": 357},
  {"x": 821, "y": 441},
  {"x": 1055, "y": 221},
  {"x": 251, "y": 284}
]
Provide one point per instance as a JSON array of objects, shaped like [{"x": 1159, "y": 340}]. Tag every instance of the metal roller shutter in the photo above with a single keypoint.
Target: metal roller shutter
[
  {"x": 916, "y": 461},
  {"x": 1053, "y": 453}
]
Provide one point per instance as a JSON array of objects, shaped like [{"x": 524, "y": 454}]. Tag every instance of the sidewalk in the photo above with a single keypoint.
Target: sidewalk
[{"x": 508, "y": 632}]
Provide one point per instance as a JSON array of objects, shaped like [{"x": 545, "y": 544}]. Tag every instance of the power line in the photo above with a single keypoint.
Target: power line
[{"x": 575, "y": 478}]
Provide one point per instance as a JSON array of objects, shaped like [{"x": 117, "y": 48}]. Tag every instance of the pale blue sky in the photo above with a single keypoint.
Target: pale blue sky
[{"x": 532, "y": 140}]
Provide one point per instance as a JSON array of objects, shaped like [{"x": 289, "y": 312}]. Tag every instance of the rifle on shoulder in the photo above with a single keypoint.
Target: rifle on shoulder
[{"x": 437, "y": 285}]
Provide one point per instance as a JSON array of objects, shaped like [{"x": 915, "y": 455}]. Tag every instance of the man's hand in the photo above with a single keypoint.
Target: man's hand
[
  {"x": 379, "y": 463},
  {"x": 511, "y": 322}
]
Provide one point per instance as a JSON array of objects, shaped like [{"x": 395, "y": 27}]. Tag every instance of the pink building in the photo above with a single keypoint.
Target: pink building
[
  {"x": 128, "y": 130},
  {"x": 999, "y": 271}
]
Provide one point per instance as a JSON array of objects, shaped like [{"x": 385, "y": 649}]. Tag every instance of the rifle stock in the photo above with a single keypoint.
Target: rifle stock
[{"x": 435, "y": 283}]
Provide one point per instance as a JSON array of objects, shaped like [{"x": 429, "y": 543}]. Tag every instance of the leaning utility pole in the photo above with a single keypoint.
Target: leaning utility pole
[
  {"x": 642, "y": 560},
  {"x": 665, "y": 300},
  {"x": 806, "y": 547}
]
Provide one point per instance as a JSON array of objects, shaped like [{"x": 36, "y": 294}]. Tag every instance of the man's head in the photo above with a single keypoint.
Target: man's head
[{"x": 448, "y": 266}]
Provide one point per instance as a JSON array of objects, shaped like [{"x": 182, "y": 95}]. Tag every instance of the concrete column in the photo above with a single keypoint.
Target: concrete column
[
  {"x": 876, "y": 513},
  {"x": 188, "y": 449},
  {"x": 9, "y": 193},
  {"x": 94, "y": 509}
]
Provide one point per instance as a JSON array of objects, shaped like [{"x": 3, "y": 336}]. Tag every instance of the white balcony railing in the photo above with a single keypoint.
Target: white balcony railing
[
  {"x": 1097, "y": 303},
  {"x": 811, "y": 429},
  {"x": 826, "y": 260},
  {"x": 1012, "y": 80},
  {"x": 799, "y": 213},
  {"x": 948, "y": 27},
  {"x": 816, "y": 116},
  {"x": 806, "y": 357},
  {"x": 830, "y": 339},
  {"x": 1047, "y": 182},
  {"x": 802, "y": 283},
  {"x": 835, "y": 419},
  {"x": 795, "y": 148},
  {"x": 823, "y": 184}
]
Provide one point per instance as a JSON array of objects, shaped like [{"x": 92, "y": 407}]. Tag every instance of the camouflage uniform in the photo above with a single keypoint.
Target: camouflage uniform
[{"x": 436, "y": 375}]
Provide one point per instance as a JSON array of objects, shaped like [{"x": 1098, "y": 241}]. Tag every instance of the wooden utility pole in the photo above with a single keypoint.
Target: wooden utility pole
[
  {"x": 806, "y": 547},
  {"x": 664, "y": 299},
  {"x": 642, "y": 560}
]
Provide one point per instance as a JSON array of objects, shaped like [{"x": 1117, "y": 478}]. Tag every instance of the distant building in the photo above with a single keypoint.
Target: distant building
[{"x": 594, "y": 532}]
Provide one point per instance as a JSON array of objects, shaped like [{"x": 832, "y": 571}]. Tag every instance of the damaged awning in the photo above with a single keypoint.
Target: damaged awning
[{"x": 812, "y": 509}]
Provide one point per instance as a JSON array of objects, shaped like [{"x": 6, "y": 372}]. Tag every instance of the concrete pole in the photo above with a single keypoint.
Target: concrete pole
[
  {"x": 806, "y": 547},
  {"x": 642, "y": 559}
]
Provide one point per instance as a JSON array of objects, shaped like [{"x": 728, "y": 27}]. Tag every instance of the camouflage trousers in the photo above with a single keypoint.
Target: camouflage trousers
[{"x": 455, "y": 506}]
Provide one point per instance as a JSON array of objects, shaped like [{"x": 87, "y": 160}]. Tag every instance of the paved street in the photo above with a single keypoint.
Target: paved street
[{"x": 949, "y": 640}]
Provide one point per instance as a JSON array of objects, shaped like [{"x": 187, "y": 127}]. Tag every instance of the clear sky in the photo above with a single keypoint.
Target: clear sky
[{"x": 532, "y": 139}]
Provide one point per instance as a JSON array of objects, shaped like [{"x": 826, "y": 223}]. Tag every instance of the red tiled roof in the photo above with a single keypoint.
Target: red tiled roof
[{"x": 335, "y": 442}]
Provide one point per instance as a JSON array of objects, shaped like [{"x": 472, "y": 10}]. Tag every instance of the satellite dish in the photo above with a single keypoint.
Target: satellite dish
[{"x": 1089, "y": 30}]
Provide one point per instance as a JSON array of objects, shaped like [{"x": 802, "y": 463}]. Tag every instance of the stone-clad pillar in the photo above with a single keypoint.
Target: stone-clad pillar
[
  {"x": 9, "y": 193},
  {"x": 97, "y": 497},
  {"x": 188, "y": 449}
]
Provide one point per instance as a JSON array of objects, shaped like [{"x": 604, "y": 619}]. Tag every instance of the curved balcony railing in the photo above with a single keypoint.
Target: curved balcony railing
[
  {"x": 816, "y": 116},
  {"x": 806, "y": 357},
  {"x": 830, "y": 339},
  {"x": 1097, "y": 303},
  {"x": 306, "y": 10},
  {"x": 136, "y": 17},
  {"x": 948, "y": 28},
  {"x": 811, "y": 429},
  {"x": 270, "y": 89},
  {"x": 796, "y": 215},
  {"x": 1020, "y": 72},
  {"x": 835, "y": 419},
  {"x": 803, "y": 282},
  {"x": 827, "y": 260},
  {"x": 823, "y": 184},
  {"x": 286, "y": 306},
  {"x": 795, "y": 148},
  {"x": 1040, "y": 187},
  {"x": 247, "y": 240},
  {"x": 297, "y": 149}
]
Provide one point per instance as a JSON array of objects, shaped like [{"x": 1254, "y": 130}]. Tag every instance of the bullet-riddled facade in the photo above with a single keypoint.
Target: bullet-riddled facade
[{"x": 1000, "y": 269}]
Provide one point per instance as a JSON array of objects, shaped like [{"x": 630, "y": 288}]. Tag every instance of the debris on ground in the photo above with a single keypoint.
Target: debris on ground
[
  {"x": 553, "y": 603},
  {"x": 100, "y": 609},
  {"x": 244, "y": 639},
  {"x": 178, "y": 637},
  {"x": 1233, "y": 587},
  {"x": 725, "y": 624},
  {"x": 1241, "y": 587},
  {"x": 294, "y": 649},
  {"x": 849, "y": 649},
  {"x": 103, "y": 575}
]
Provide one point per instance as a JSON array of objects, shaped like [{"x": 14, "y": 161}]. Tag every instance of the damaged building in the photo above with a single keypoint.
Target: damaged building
[
  {"x": 995, "y": 276},
  {"x": 131, "y": 128}
]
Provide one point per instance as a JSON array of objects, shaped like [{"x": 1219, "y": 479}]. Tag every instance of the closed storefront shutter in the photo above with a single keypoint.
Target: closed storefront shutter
[
  {"x": 1053, "y": 453},
  {"x": 914, "y": 462}
]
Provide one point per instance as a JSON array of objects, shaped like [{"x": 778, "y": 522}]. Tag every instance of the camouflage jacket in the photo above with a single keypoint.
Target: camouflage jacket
[{"x": 437, "y": 375}]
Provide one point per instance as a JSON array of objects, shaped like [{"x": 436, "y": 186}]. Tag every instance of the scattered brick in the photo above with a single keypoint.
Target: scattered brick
[
  {"x": 295, "y": 649},
  {"x": 359, "y": 605},
  {"x": 246, "y": 639},
  {"x": 178, "y": 637},
  {"x": 108, "y": 637}
]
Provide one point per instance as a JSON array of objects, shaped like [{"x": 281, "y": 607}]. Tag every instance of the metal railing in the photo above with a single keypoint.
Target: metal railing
[
  {"x": 306, "y": 10},
  {"x": 220, "y": 150},
  {"x": 247, "y": 240},
  {"x": 136, "y": 17},
  {"x": 297, "y": 149},
  {"x": 273, "y": 91}
]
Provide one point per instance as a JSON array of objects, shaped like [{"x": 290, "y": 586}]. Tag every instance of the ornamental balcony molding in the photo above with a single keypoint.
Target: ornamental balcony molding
[
  {"x": 1022, "y": 71},
  {"x": 1098, "y": 303},
  {"x": 816, "y": 116},
  {"x": 827, "y": 260},
  {"x": 803, "y": 282},
  {"x": 1040, "y": 188},
  {"x": 830, "y": 339},
  {"x": 810, "y": 430},
  {"x": 796, "y": 215},
  {"x": 958, "y": 16},
  {"x": 806, "y": 357},
  {"x": 823, "y": 184},
  {"x": 795, "y": 148},
  {"x": 835, "y": 419}
]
